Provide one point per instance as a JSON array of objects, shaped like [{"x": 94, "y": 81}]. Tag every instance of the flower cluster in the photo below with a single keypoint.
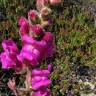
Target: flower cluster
[{"x": 37, "y": 45}]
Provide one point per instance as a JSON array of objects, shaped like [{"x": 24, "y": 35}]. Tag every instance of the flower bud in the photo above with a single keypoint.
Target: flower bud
[
  {"x": 22, "y": 21},
  {"x": 53, "y": 2},
  {"x": 37, "y": 29}
]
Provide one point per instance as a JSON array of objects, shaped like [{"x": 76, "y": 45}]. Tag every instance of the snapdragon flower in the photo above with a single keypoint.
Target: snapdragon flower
[
  {"x": 32, "y": 14},
  {"x": 24, "y": 26},
  {"x": 46, "y": 45},
  {"x": 34, "y": 51},
  {"x": 49, "y": 38},
  {"x": 37, "y": 29},
  {"x": 22, "y": 21},
  {"x": 9, "y": 45},
  {"x": 9, "y": 56},
  {"x": 27, "y": 28},
  {"x": 29, "y": 54},
  {"x": 39, "y": 72},
  {"x": 40, "y": 82},
  {"x": 37, "y": 46}
]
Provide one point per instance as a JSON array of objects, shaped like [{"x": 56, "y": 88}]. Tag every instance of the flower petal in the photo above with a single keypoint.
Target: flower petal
[
  {"x": 39, "y": 72},
  {"x": 44, "y": 82},
  {"x": 9, "y": 46}
]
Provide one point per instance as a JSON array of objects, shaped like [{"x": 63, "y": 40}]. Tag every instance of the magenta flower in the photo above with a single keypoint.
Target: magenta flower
[
  {"x": 32, "y": 14},
  {"x": 29, "y": 40},
  {"x": 50, "y": 50},
  {"x": 24, "y": 29},
  {"x": 45, "y": 46},
  {"x": 29, "y": 54},
  {"x": 34, "y": 51},
  {"x": 9, "y": 57},
  {"x": 40, "y": 82},
  {"x": 7, "y": 62},
  {"x": 22, "y": 21},
  {"x": 38, "y": 45},
  {"x": 9, "y": 46},
  {"x": 49, "y": 38},
  {"x": 39, "y": 72},
  {"x": 37, "y": 29},
  {"x": 24, "y": 26}
]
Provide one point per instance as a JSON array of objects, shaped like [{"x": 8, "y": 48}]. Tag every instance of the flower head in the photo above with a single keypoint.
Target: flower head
[
  {"x": 22, "y": 21},
  {"x": 39, "y": 72},
  {"x": 29, "y": 54},
  {"x": 37, "y": 29},
  {"x": 48, "y": 37},
  {"x": 7, "y": 62},
  {"x": 9, "y": 57},
  {"x": 24, "y": 29},
  {"x": 32, "y": 14},
  {"x": 24, "y": 26},
  {"x": 40, "y": 82},
  {"x": 9, "y": 46}
]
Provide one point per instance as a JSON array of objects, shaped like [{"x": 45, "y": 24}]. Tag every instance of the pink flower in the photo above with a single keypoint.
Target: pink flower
[
  {"x": 49, "y": 38},
  {"x": 40, "y": 82},
  {"x": 53, "y": 2},
  {"x": 29, "y": 29},
  {"x": 37, "y": 29},
  {"x": 32, "y": 14},
  {"x": 24, "y": 26},
  {"x": 40, "y": 79},
  {"x": 24, "y": 29},
  {"x": 22, "y": 21},
  {"x": 9, "y": 46},
  {"x": 34, "y": 51},
  {"x": 38, "y": 45},
  {"x": 39, "y": 72},
  {"x": 7, "y": 62},
  {"x": 9, "y": 57},
  {"x": 29, "y": 54},
  {"x": 45, "y": 46}
]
